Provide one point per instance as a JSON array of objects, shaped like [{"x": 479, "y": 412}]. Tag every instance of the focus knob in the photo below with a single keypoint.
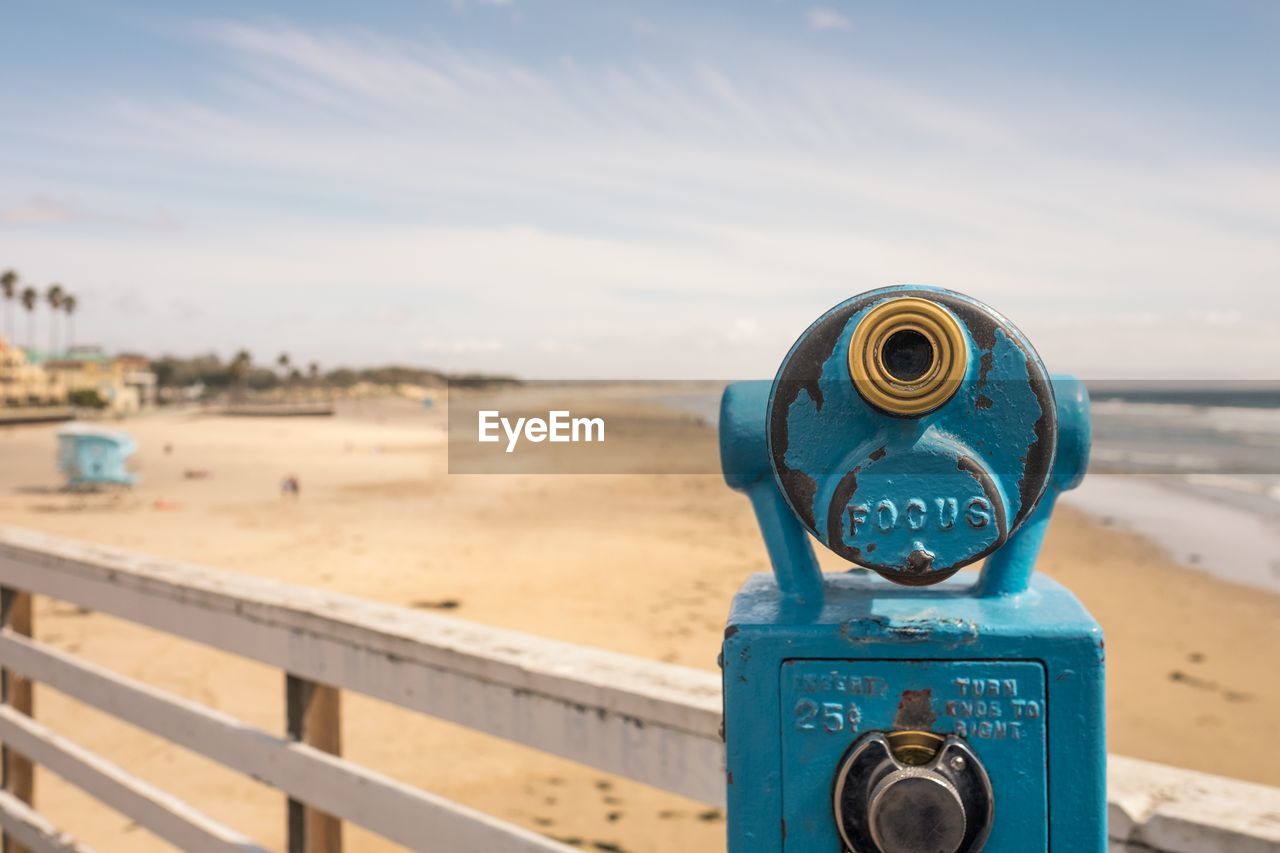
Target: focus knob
[
  {"x": 912, "y": 792},
  {"x": 916, "y": 811}
]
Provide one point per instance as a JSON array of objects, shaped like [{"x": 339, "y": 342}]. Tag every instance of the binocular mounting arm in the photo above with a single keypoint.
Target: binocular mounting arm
[{"x": 747, "y": 468}]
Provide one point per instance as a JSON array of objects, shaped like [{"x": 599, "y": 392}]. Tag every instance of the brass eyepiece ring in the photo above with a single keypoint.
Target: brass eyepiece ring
[{"x": 907, "y": 356}]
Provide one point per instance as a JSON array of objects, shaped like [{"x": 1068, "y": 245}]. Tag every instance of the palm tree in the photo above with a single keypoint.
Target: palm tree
[
  {"x": 9, "y": 287},
  {"x": 54, "y": 296},
  {"x": 283, "y": 361},
  {"x": 313, "y": 372},
  {"x": 69, "y": 305},
  {"x": 239, "y": 370},
  {"x": 29, "y": 299}
]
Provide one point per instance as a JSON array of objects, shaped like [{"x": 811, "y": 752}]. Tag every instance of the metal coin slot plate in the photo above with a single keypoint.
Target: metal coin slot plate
[
  {"x": 924, "y": 799},
  {"x": 997, "y": 708}
]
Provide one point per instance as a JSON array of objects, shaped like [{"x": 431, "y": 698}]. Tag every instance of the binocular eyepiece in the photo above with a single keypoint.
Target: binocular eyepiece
[
  {"x": 912, "y": 430},
  {"x": 907, "y": 356}
]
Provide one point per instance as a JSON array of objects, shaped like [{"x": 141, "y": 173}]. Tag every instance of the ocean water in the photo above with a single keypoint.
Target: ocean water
[
  {"x": 1229, "y": 453},
  {"x": 1201, "y": 481}
]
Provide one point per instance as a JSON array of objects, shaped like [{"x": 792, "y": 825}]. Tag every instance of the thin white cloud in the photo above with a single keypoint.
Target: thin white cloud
[
  {"x": 47, "y": 210},
  {"x": 462, "y": 345},
  {"x": 824, "y": 18},
  {"x": 644, "y": 215},
  {"x": 40, "y": 210},
  {"x": 462, "y": 4}
]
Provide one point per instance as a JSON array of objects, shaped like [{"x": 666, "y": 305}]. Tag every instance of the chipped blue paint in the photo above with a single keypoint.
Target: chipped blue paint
[
  {"x": 921, "y": 641},
  {"x": 923, "y": 469}
]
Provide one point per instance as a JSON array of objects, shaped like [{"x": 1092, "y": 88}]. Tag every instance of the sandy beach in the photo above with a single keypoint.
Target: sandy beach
[{"x": 1191, "y": 680}]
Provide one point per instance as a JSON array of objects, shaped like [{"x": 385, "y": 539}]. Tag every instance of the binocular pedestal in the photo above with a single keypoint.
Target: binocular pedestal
[
  {"x": 904, "y": 706},
  {"x": 1016, "y": 679}
]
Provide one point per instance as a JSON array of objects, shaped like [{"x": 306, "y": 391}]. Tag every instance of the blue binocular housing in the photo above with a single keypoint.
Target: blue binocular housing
[{"x": 901, "y": 705}]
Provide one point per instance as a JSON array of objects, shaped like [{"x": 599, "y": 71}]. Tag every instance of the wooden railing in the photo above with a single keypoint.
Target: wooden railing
[{"x": 652, "y": 722}]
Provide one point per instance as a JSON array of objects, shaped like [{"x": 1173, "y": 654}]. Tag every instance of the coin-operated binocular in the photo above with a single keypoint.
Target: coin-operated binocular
[{"x": 899, "y": 707}]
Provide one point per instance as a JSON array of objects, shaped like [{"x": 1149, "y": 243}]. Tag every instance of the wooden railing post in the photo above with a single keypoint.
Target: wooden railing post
[
  {"x": 18, "y": 774},
  {"x": 314, "y": 718}
]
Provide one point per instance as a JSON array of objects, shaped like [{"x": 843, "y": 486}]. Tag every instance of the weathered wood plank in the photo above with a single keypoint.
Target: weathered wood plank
[
  {"x": 17, "y": 775},
  {"x": 1169, "y": 809},
  {"x": 397, "y": 811},
  {"x": 648, "y": 721},
  {"x": 314, "y": 717},
  {"x": 153, "y": 809},
  {"x": 33, "y": 830}
]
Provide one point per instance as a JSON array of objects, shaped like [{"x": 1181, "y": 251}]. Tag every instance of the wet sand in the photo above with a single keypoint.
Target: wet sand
[{"x": 1192, "y": 681}]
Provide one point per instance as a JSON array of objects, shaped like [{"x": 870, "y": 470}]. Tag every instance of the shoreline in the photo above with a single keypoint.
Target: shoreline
[{"x": 1229, "y": 543}]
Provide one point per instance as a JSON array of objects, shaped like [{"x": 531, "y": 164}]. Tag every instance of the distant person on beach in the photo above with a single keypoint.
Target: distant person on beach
[{"x": 290, "y": 488}]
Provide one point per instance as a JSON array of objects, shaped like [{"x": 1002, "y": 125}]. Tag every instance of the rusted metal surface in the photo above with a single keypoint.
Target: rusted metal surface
[
  {"x": 912, "y": 431},
  {"x": 914, "y": 495}
]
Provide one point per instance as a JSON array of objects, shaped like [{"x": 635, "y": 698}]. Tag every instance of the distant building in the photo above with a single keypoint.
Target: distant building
[
  {"x": 24, "y": 382},
  {"x": 139, "y": 376},
  {"x": 32, "y": 377}
]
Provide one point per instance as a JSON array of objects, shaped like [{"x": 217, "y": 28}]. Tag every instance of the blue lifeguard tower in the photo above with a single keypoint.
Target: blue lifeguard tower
[{"x": 95, "y": 459}]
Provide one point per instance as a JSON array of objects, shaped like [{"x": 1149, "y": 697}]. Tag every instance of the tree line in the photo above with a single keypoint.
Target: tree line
[
  {"x": 60, "y": 302},
  {"x": 241, "y": 373}
]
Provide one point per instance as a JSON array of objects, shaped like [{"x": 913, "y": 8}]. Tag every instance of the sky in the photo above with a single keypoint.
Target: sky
[{"x": 645, "y": 190}]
